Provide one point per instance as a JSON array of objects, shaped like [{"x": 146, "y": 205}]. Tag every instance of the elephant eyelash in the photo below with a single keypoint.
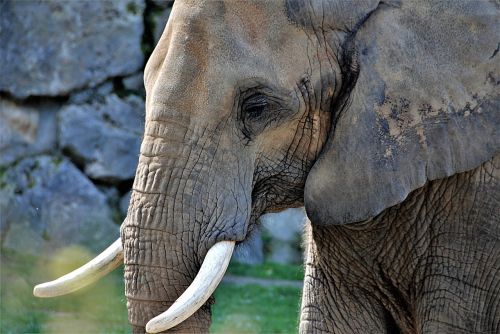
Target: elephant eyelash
[
  {"x": 262, "y": 107},
  {"x": 255, "y": 106},
  {"x": 259, "y": 111}
]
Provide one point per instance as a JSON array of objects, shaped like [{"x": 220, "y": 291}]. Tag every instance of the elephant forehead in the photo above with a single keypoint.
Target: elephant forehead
[
  {"x": 257, "y": 18},
  {"x": 234, "y": 31},
  {"x": 213, "y": 46}
]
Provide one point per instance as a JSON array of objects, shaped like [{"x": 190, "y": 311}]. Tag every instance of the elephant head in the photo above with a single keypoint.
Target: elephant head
[{"x": 342, "y": 106}]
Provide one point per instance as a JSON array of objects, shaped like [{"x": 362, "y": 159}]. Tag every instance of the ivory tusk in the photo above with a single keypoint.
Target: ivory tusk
[
  {"x": 90, "y": 272},
  {"x": 204, "y": 284}
]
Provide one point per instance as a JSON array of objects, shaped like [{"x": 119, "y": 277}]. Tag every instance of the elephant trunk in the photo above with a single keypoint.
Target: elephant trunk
[
  {"x": 174, "y": 220},
  {"x": 159, "y": 244},
  {"x": 190, "y": 304},
  {"x": 206, "y": 281},
  {"x": 151, "y": 288}
]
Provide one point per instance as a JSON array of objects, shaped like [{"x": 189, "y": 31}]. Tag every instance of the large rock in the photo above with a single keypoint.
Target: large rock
[
  {"x": 26, "y": 129},
  {"x": 52, "y": 47},
  {"x": 46, "y": 204},
  {"x": 284, "y": 230},
  {"x": 104, "y": 136}
]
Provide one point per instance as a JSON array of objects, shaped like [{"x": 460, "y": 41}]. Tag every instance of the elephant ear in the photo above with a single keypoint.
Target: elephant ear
[{"x": 425, "y": 106}]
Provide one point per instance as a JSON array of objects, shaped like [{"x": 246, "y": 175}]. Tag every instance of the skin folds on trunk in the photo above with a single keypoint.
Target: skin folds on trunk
[
  {"x": 175, "y": 216},
  {"x": 155, "y": 278},
  {"x": 159, "y": 244},
  {"x": 201, "y": 289}
]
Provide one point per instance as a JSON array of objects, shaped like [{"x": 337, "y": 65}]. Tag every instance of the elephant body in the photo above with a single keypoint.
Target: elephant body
[
  {"x": 380, "y": 117},
  {"x": 430, "y": 264}
]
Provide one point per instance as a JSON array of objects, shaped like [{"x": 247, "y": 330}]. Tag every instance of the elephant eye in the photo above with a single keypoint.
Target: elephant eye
[
  {"x": 261, "y": 108},
  {"x": 255, "y": 106}
]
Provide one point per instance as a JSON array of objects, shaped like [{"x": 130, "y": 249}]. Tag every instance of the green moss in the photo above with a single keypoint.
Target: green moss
[
  {"x": 3, "y": 182},
  {"x": 36, "y": 164},
  {"x": 153, "y": 13},
  {"x": 46, "y": 235},
  {"x": 31, "y": 182},
  {"x": 151, "y": 16},
  {"x": 132, "y": 8},
  {"x": 116, "y": 216},
  {"x": 147, "y": 49},
  {"x": 57, "y": 160}
]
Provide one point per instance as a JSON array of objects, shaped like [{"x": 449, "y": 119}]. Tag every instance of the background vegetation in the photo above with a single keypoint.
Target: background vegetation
[{"x": 101, "y": 307}]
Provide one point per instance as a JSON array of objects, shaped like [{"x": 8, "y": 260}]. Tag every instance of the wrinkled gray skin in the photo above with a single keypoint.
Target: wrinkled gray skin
[{"x": 381, "y": 118}]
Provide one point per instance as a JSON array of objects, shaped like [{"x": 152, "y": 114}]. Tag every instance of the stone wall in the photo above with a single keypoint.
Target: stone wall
[{"x": 71, "y": 119}]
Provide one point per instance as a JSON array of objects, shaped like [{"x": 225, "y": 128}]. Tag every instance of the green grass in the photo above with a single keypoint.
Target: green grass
[
  {"x": 101, "y": 307},
  {"x": 268, "y": 270},
  {"x": 255, "y": 309}
]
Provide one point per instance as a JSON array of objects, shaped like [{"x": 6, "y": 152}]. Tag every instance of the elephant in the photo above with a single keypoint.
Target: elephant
[{"x": 381, "y": 117}]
